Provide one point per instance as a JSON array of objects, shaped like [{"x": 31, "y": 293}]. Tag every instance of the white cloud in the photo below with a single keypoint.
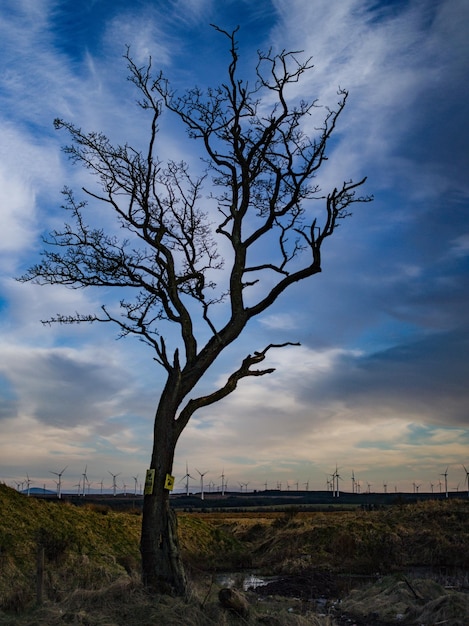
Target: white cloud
[
  {"x": 16, "y": 213},
  {"x": 145, "y": 35},
  {"x": 28, "y": 171},
  {"x": 460, "y": 246},
  {"x": 284, "y": 321},
  {"x": 397, "y": 66}
]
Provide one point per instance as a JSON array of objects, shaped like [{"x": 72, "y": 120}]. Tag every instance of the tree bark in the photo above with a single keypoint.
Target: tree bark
[{"x": 162, "y": 568}]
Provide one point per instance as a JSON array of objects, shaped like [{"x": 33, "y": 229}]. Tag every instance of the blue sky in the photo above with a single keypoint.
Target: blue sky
[{"x": 379, "y": 383}]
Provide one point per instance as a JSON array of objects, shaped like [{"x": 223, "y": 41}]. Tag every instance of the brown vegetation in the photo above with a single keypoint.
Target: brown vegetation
[{"x": 387, "y": 565}]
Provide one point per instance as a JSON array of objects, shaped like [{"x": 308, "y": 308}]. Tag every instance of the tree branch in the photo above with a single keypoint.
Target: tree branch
[
  {"x": 242, "y": 372},
  {"x": 270, "y": 211}
]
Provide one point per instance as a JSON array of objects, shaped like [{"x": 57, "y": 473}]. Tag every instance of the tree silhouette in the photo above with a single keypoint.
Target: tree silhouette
[{"x": 263, "y": 209}]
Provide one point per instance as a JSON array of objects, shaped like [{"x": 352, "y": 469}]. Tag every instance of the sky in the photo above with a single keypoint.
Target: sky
[{"x": 379, "y": 385}]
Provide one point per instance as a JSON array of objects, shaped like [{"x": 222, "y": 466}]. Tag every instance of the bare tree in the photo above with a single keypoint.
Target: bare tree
[{"x": 261, "y": 167}]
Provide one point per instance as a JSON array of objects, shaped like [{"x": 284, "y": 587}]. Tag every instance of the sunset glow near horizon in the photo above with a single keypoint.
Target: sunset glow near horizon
[{"x": 379, "y": 385}]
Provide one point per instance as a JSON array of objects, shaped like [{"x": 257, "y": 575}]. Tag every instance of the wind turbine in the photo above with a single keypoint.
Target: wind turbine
[
  {"x": 85, "y": 480},
  {"x": 337, "y": 478},
  {"x": 114, "y": 484},
  {"x": 223, "y": 485},
  {"x": 335, "y": 482},
  {"x": 331, "y": 484},
  {"x": 353, "y": 481},
  {"x": 187, "y": 476},
  {"x": 201, "y": 482},
  {"x": 385, "y": 487},
  {"x": 445, "y": 474},
  {"x": 467, "y": 480},
  {"x": 59, "y": 482},
  {"x": 306, "y": 484},
  {"x": 28, "y": 484}
]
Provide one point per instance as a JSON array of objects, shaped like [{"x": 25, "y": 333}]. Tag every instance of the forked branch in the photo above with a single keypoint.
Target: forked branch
[{"x": 242, "y": 372}]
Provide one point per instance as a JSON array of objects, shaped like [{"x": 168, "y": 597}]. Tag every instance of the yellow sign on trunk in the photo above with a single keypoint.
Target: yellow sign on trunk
[
  {"x": 149, "y": 482},
  {"x": 169, "y": 482}
]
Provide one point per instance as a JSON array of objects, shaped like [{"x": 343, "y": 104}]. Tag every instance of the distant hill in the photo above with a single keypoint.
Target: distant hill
[{"x": 39, "y": 491}]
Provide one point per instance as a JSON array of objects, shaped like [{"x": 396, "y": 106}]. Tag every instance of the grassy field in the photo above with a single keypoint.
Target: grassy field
[{"x": 391, "y": 564}]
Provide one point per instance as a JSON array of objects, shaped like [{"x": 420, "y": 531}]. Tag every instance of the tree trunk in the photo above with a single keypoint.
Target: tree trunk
[{"x": 162, "y": 569}]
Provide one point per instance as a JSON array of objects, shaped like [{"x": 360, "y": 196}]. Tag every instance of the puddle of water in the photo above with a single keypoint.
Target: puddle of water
[{"x": 243, "y": 580}]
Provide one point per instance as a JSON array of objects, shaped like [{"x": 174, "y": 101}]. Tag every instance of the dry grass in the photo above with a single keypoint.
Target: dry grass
[
  {"x": 84, "y": 548},
  {"x": 414, "y": 601},
  {"x": 431, "y": 534},
  {"x": 92, "y": 563},
  {"x": 125, "y": 603}
]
